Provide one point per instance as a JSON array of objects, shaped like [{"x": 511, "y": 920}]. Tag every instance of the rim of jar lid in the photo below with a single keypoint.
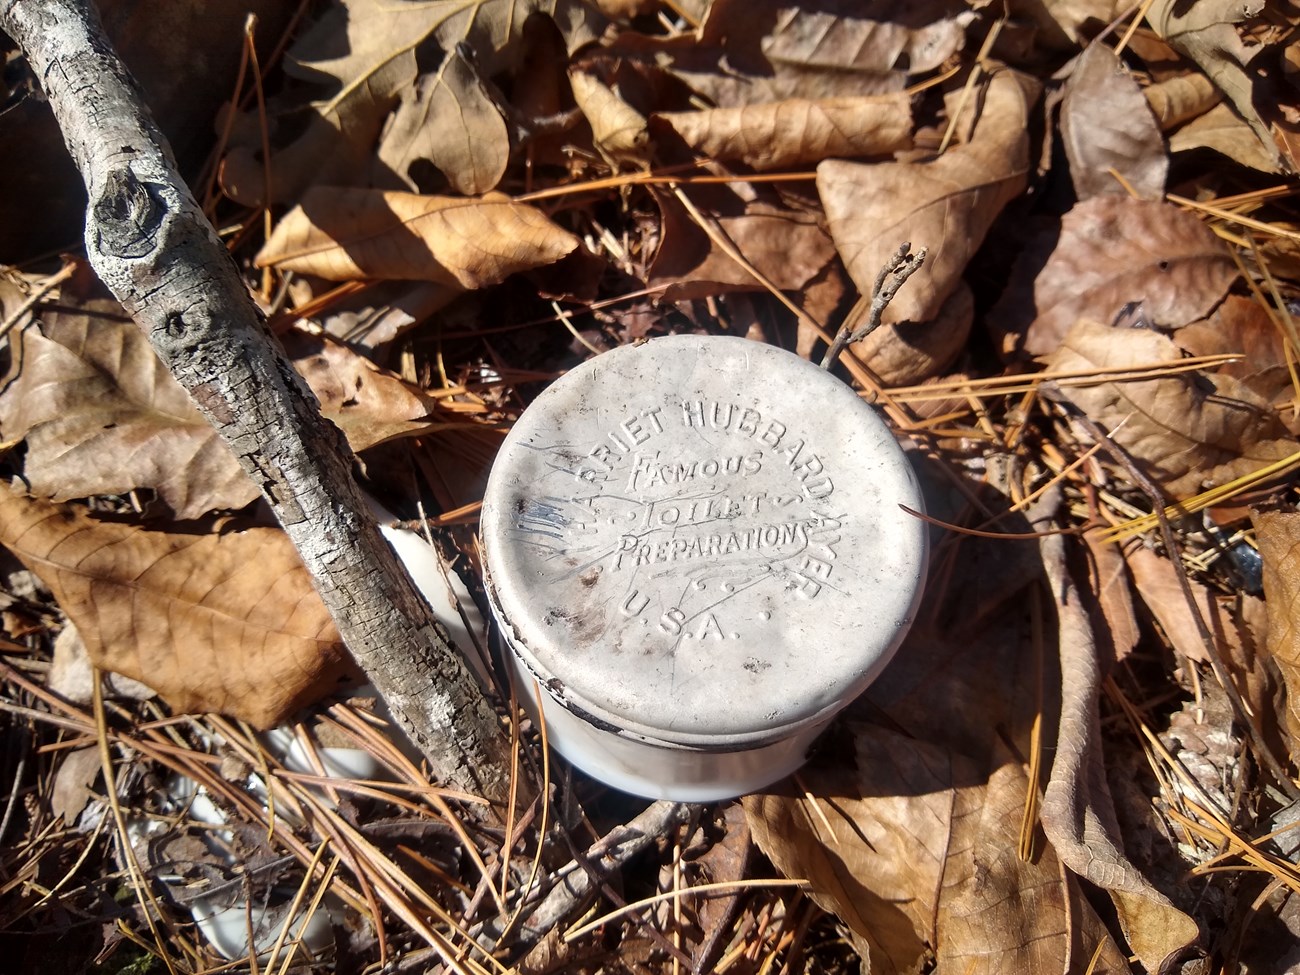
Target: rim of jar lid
[{"x": 603, "y": 719}]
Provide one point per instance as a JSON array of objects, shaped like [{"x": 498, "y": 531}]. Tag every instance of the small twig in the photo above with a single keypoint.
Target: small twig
[
  {"x": 577, "y": 882},
  {"x": 892, "y": 276},
  {"x": 1158, "y": 502},
  {"x": 45, "y": 287}
]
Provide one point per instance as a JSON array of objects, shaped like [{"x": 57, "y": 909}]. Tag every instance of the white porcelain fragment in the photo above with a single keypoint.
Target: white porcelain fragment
[{"x": 696, "y": 551}]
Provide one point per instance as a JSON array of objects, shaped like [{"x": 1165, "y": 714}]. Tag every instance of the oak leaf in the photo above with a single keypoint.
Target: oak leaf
[
  {"x": 1188, "y": 431},
  {"x": 448, "y": 119},
  {"x": 216, "y": 617},
  {"x": 797, "y": 131},
  {"x": 1107, "y": 125},
  {"x": 345, "y": 234},
  {"x": 369, "y": 52},
  {"x": 945, "y": 205},
  {"x": 789, "y": 247},
  {"x": 1113, "y": 255}
]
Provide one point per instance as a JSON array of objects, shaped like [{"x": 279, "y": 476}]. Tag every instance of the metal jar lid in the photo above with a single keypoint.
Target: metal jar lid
[{"x": 697, "y": 541}]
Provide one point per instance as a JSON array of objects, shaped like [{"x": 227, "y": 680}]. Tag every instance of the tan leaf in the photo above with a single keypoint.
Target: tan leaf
[
  {"x": 903, "y": 353},
  {"x": 1224, "y": 131},
  {"x": 448, "y": 119},
  {"x": 945, "y": 205},
  {"x": 381, "y": 42},
  {"x": 1065, "y": 24},
  {"x": 1112, "y": 254},
  {"x": 1243, "y": 325},
  {"x": 218, "y": 618},
  {"x": 797, "y": 131},
  {"x": 1187, "y": 431},
  {"x": 752, "y": 51},
  {"x": 787, "y": 246},
  {"x": 921, "y": 864},
  {"x": 370, "y": 405},
  {"x": 1109, "y": 580},
  {"x": 1234, "y": 623},
  {"x": 617, "y": 128},
  {"x": 345, "y": 234},
  {"x": 1181, "y": 98},
  {"x": 1078, "y": 814},
  {"x": 1277, "y": 533},
  {"x": 100, "y": 414},
  {"x": 1106, "y": 125},
  {"x": 1207, "y": 32}
]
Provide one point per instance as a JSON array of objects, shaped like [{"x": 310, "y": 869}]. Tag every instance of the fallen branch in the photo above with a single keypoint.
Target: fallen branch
[
  {"x": 901, "y": 266},
  {"x": 150, "y": 243}
]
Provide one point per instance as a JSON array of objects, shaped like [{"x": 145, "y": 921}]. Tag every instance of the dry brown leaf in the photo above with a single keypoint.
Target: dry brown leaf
[
  {"x": 219, "y": 618},
  {"x": 618, "y": 129},
  {"x": 370, "y": 405},
  {"x": 921, "y": 863},
  {"x": 1113, "y": 254},
  {"x": 1065, "y": 24},
  {"x": 1207, "y": 32},
  {"x": 1078, "y": 814},
  {"x": 1188, "y": 431},
  {"x": 1277, "y": 533},
  {"x": 448, "y": 119},
  {"x": 1224, "y": 131},
  {"x": 368, "y": 51},
  {"x": 789, "y": 247},
  {"x": 346, "y": 234},
  {"x": 1109, "y": 581},
  {"x": 945, "y": 205},
  {"x": 752, "y": 51},
  {"x": 1243, "y": 325},
  {"x": 1229, "y": 619},
  {"x": 100, "y": 414},
  {"x": 1106, "y": 125},
  {"x": 1181, "y": 98},
  {"x": 904, "y": 353},
  {"x": 798, "y": 131}
]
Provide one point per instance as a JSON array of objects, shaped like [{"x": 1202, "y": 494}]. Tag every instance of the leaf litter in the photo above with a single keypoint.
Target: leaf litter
[{"x": 1083, "y": 758}]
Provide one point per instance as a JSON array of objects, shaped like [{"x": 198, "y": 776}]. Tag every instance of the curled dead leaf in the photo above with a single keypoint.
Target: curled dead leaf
[
  {"x": 797, "y": 131},
  {"x": 219, "y": 617},
  {"x": 1217, "y": 35},
  {"x": 1078, "y": 814},
  {"x": 618, "y": 129},
  {"x": 346, "y": 234},
  {"x": 1188, "y": 431}
]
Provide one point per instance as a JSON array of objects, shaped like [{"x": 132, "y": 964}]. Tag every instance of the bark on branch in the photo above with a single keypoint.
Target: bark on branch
[{"x": 151, "y": 245}]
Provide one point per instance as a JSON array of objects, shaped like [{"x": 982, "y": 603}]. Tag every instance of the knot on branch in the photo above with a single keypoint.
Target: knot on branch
[{"x": 127, "y": 216}]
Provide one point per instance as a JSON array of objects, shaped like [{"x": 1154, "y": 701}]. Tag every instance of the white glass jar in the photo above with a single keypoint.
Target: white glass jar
[{"x": 696, "y": 553}]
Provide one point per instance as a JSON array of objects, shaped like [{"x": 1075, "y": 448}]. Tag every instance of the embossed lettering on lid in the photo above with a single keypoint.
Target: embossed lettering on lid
[{"x": 698, "y": 540}]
